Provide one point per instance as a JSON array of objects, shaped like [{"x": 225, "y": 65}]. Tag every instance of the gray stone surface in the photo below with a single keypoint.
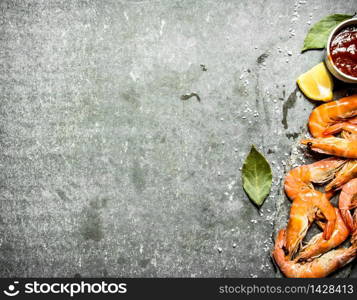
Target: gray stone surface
[{"x": 106, "y": 172}]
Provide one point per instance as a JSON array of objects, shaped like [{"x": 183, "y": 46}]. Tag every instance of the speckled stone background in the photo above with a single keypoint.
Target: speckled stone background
[{"x": 106, "y": 172}]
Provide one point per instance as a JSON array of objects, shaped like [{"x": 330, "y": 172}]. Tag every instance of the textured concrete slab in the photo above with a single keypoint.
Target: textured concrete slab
[{"x": 105, "y": 171}]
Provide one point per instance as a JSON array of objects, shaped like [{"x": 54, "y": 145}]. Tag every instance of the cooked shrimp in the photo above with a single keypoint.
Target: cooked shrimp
[
  {"x": 344, "y": 175},
  {"x": 318, "y": 245},
  {"x": 303, "y": 212},
  {"x": 333, "y": 146},
  {"x": 348, "y": 201},
  {"x": 319, "y": 267},
  {"x": 300, "y": 178},
  {"x": 307, "y": 201},
  {"x": 330, "y": 113}
]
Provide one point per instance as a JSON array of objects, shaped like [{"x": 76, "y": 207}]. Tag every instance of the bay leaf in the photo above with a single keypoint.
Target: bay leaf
[
  {"x": 318, "y": 34},
  {"x": 256, "y": 176}
]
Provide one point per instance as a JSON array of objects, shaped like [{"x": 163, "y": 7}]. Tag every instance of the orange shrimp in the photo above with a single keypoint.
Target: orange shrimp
[
  {"x": 348, "y": 201},
  {"x": 303, "y": 212},
  {"x": 333, "y": 146},
  {"x": 307, "y": 201},
  {"x": 330, "y": 113},
  {"x": 317, "y": 268},
  {"x": 300, "y": 179},
  {"x": 318, "y": 245},
  {"x": 332, "y": 118}
]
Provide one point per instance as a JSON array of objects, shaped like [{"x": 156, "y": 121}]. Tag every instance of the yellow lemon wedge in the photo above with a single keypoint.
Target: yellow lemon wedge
[{"x": 317, "y": 83}]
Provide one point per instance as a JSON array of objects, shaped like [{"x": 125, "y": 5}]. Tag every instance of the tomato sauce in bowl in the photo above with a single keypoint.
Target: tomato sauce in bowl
[{"x": 343, "y": 51}]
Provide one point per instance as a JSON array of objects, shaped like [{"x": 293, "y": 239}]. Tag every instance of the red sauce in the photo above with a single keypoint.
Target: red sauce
[{"x": 343, "y": 50}]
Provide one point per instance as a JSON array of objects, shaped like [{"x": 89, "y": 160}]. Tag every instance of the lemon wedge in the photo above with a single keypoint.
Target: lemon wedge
[{"x": 317, "y": 83}]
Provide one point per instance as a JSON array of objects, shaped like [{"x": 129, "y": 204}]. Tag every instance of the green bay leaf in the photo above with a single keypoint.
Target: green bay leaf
[
  {"x": 318, "y": 34},
  {"x": 256, "y": 176}
]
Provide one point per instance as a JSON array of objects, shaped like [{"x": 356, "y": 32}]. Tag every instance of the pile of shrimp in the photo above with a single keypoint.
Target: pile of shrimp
[{"x": 333, "y": 127}]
